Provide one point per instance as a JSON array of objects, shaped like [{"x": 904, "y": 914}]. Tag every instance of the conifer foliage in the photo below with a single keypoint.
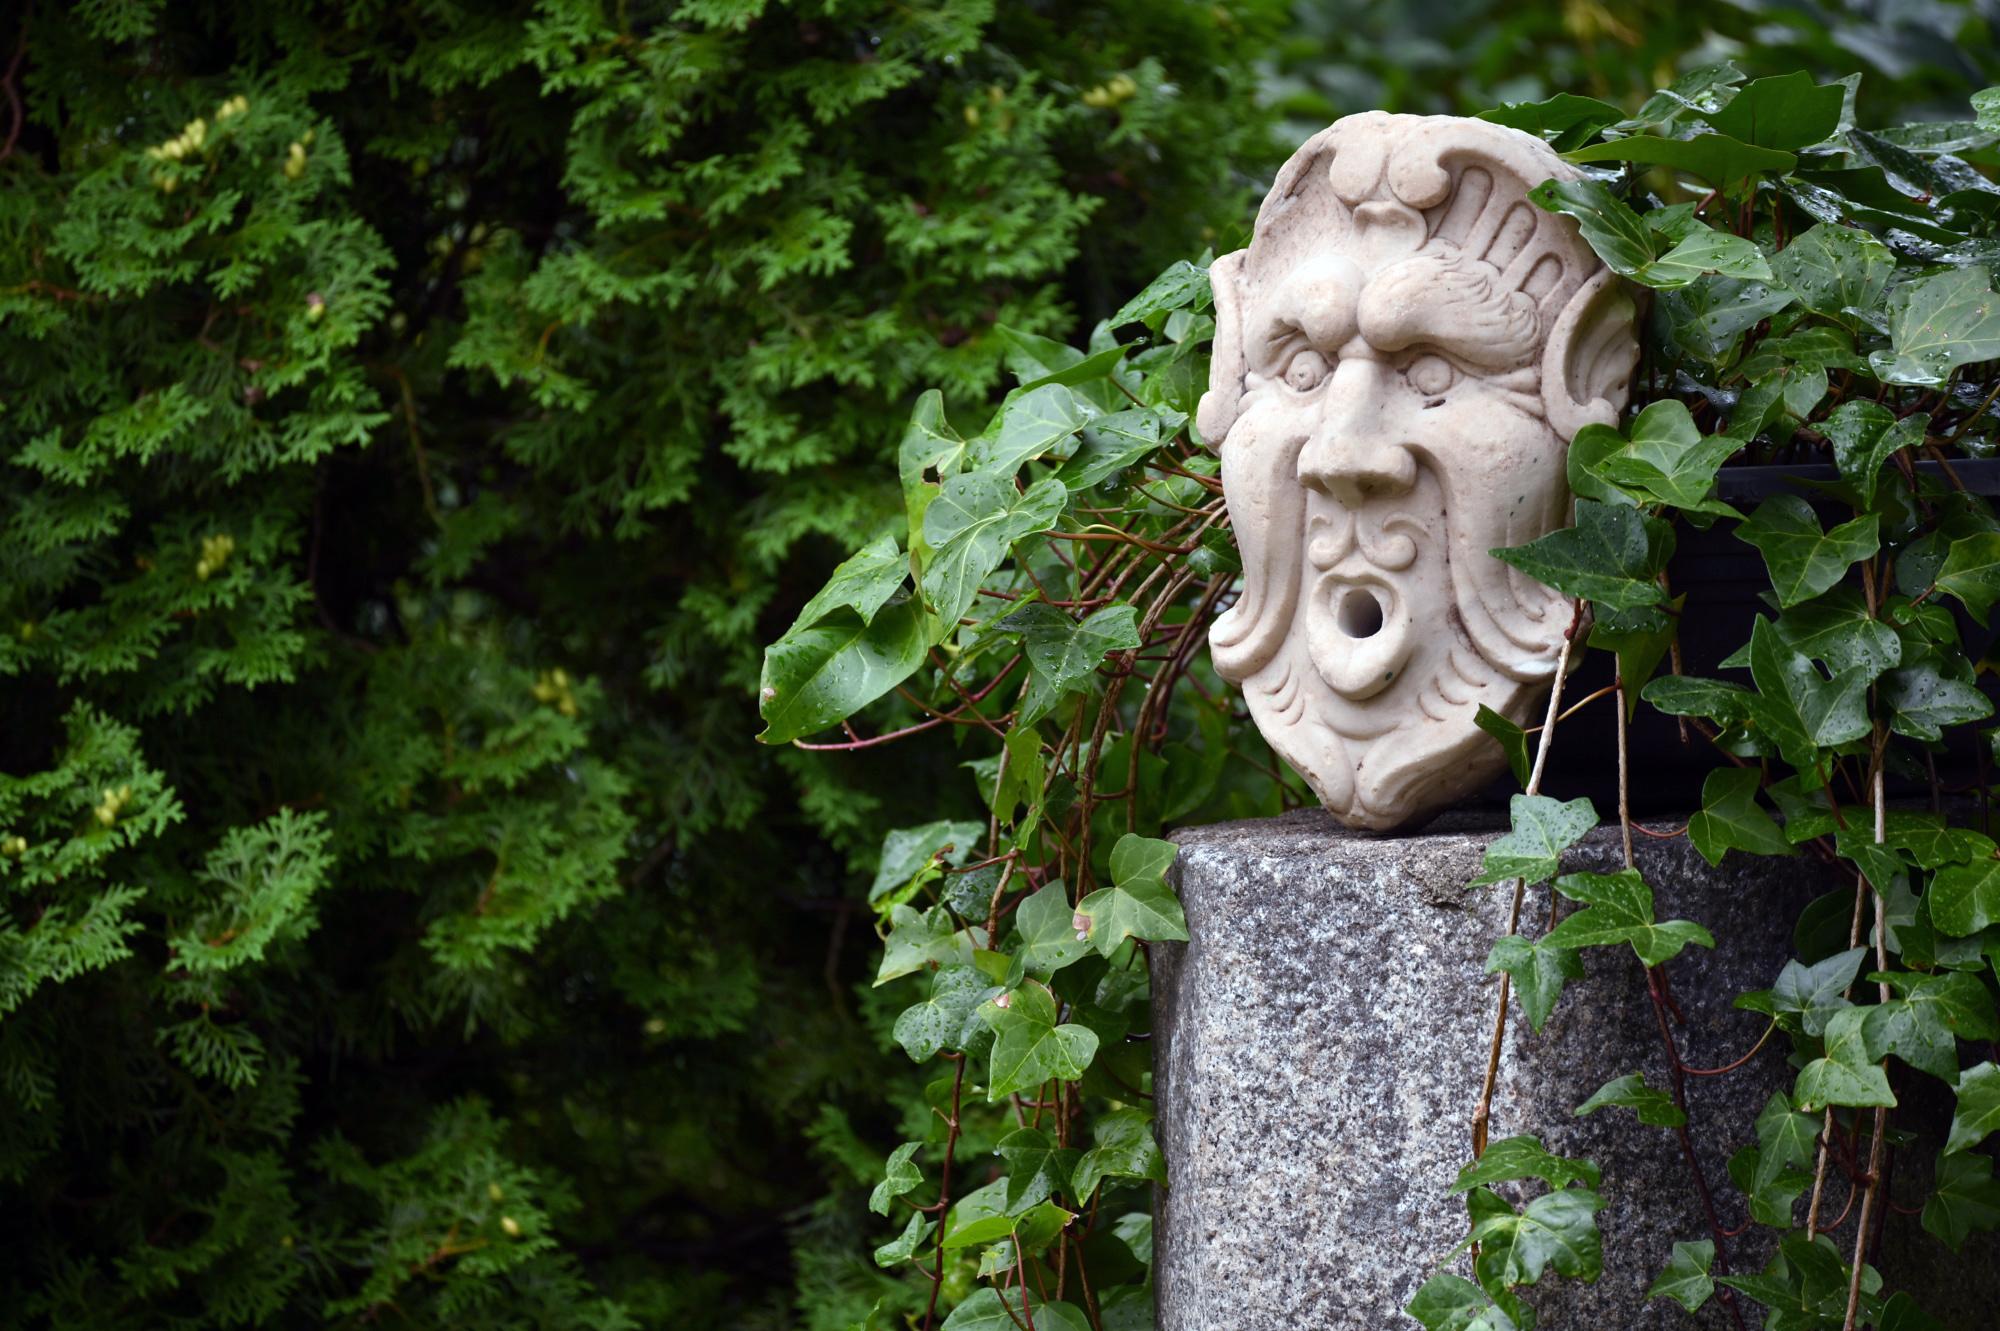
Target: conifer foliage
[{"x": 412, "y": 417}]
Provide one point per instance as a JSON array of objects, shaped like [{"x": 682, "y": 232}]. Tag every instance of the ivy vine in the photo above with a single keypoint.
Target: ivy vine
[{"x": 1821, "y": 301}]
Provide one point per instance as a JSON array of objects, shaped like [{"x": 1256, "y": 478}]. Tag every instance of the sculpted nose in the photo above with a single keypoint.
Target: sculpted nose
[{"x": 1355, "y": 453}]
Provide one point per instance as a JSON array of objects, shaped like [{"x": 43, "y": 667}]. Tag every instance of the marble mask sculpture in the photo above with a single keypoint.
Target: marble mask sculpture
[{"x": 1402, "y": 355}]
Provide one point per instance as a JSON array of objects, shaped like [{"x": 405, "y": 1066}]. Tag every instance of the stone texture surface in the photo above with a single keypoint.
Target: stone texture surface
[
  {"x": 1402, "y": 355},
  {"x": 1320, "y": 1047}
]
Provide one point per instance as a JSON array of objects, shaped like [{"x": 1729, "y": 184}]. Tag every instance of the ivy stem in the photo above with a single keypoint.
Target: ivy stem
[
  {"x": 1483, "y": 1113},
  {"x": 1656, "y": 990},
  {"x": 944, "y": 1188},
  {"x": 1873, "y": 1185}
]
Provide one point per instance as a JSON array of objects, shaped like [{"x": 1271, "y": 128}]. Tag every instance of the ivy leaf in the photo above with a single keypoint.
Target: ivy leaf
[
  {"x": 1620, "y": 910},
  {"x": 1978, "y": 1110},
  {"x": 906, "y": 851},
  {"x": 862, "y": 583},
  {"x": 1609, "y": 226},
  {"x": 1123, "y": 1147},
  {"x": 1922, "y": 699},
  {"x": 1924, "y": 1026},
  {"x": 1705, "y": 250},
  {"x": 1640, "y": 639},
  {"x": 899, "y": 1176},
  {"x": 1785, "y": 1141},
  {"x": 1543, "y": 829},
  {"x": 1612, "y": 556},
  {"x": 1844, "y": 1075},
  {"x": 1029, "y": 1047},
  {"x": 947, "y": 1019},
  {"x": 1803, "y": 560},
  {"x": 1940, "y": 323},
  {"x": 1667, "y": 457},
  {"x": 1835, "y": 269},
  {"x": 1048, "y": 931},
  {"x": 1565, "y": 120},
  {"x": 1452, "y": 1303},
  {"x": 1864, "y": 435},
  {"x": 1037, "y": 1168},
  {"x": 1836, "y": 628},
  {"x": 1775, "y": 1202},
  {"x": 1539, "y": 970},
  {"x": 930, "y": 452},
  {"x": 1028, "y": 424},
  {"x": 1686, "y": 1280},
  {"x": 1064, "y": 654},
  {"x": 1556, "y": 1231},
  {"x": 1513, "y": 741},
  {"x": 1816, "y": 992},
  {"x": 1656, "y": 1109},
  {"x": 1965, "y": 1198},
  {"x": 1716, "y": 700},
  {"x": 1114, "y": 442},
  {"x": 1182, "y": 286},
  {"x": 1965, "y": 898},
  {"x": 1524, "y": 1157},
  {"x": 1971, "y": 572},
  {"x": 1731, "y": 820},
  {"x": 1142, "y": 908},
  {"x": 988, "y": 1310},
  {"x": 1789, "y": 111},
  {"x": 1720, "y": 159},
  {"x": 826, "y": 673},
  {"x": 904, "y": 1246},
  {"x": 1138, "y": 859},
  {"x": 1796, "y": 707},
  {"x": 969, "y": 527},
  {"x": 924, "y": 938}
]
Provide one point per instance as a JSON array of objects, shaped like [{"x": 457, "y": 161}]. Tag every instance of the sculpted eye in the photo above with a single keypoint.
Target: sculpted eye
[
  {"x": 1306, "y": 370},
  {"x": 1431, "y": 375}
]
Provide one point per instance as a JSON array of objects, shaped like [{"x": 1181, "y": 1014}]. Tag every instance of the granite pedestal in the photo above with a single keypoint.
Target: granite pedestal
[{"x": 1321, "y": 1043}]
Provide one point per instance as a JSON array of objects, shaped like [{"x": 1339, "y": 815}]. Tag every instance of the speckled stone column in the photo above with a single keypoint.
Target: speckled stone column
[{"x": 1321, "y": 1045}]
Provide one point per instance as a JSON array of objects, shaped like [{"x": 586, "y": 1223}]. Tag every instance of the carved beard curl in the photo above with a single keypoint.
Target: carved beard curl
[{"x": 1379, "y": 761}]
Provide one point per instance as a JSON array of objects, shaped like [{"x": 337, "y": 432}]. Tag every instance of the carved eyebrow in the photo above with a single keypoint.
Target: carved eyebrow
[{"x": 1453, "y": 305}]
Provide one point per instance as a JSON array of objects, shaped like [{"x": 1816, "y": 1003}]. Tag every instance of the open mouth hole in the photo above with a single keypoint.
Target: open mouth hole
[{"x": 1359, "y": 615}]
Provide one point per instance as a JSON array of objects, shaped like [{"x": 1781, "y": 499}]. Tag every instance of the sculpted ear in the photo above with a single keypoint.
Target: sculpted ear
[
  {"x": 1227, "y": 363},
  {"x": 1587, "y": 366}
]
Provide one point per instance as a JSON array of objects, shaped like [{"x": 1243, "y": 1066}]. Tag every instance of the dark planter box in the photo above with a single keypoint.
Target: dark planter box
[{"x": 1722, "y": 577}]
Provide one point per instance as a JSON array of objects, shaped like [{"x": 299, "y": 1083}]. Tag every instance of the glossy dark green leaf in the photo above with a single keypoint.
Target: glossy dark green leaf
[
  {"x": 1557, "y": 1231},
  {"x": 1816, "y": 992},
  {"x": 1063, "y": 653},
  {"x": 907, "y": 850},
  {"x": 1686, "y": 1278},
  {"x": 1030, "y": 1046},
  {"x": 904, "y": 1246},
  {"x": 1114, "y": 442},
  {"x": 1971, "y": 572},
  {"x": 1786, "y": 1140},
  {"x": 1719, "y": 159},
  {"x": 1029, "y": 423},
  {"x": 1844, "y": 1074},
  {"x": 1789, "y": 111},
  {"x": 1922, "y": 1026},
  {"x": 1924, "y": 698},
  {"x": 1977, "y": 1112},
  {"x": 1836, "y": 628},
  {"x": 1864, "y": 435},
  {"x": 948, "y": 1017},
  {"x": 1512, "y": 739},
  {"x": 1564, "y": 120},
  {"x": 1182, "y": 286},
  {"x": 1940, "y": 323},
  {"x": 1964, "y": 1199},
  {"x": 1447, "y": 1302},
  {"x": 862, "y": 583},
  {"x": 918, "y": 939},
  {"x": 1539, "y": 969},
  {"x": 1523, "y": 1157},
  {"x": 1611, "y": 556},
  {"x": 1656, "y": 1109},
  {"x": 1619, "y": 909},
  {"x": 1047, "y": 931},
  {"x": 1965, "y": 898},
  {"x": 986, "y": 1309},
  {"x": 818, "y": 676},
  {"x": 1144, "y": 909},
  {"x": 1666, "y": 457},
  {"x": 899, "y": 1175},
  {"x": 1542, "y": 829},
  {"x": 1803, "y": 560},
  {"x": 1729, "y": 818},
  {"x": 1122, "y": 1147},
  {"x": 1706, "y": 318},
  {"x": 1835, "y": 268},
  {"x": 969, "y": 527},
  {"x": 1796, "y": 707},
  {"x": 1684, "y": 695},
  {"x": 1037, "y": 1168}
]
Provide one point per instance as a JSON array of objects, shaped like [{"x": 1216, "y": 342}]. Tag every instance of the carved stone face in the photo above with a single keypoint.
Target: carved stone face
[{"x": 1402, "y": 355}]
